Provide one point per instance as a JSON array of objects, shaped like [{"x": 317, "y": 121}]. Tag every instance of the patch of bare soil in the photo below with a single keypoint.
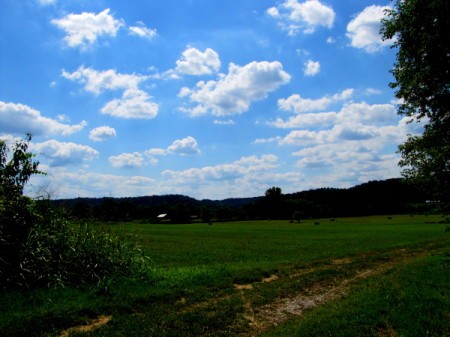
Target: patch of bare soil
[
  {"x": 342, "y": 261},
  {"x": 90, "y": 326},
  {"x": 387, "y": 332},
  {"x": 249, "y": 286}
]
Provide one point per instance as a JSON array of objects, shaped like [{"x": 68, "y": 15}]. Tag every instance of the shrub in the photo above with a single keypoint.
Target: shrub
[{"x": 39, "y": 248}]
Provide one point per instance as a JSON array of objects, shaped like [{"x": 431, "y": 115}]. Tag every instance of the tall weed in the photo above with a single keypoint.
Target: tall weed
[{"x": 57, "y": 253}]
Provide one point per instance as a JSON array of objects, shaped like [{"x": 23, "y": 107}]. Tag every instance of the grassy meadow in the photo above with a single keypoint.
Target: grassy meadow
[{"x": 371, "y": 276}]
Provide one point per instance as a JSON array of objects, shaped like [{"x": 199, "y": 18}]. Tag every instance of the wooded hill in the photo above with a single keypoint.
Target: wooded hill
[{"x": 392, "y": 196}]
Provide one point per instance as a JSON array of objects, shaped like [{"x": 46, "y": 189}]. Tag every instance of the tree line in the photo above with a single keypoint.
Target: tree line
[{"x": 392, "y": 196}]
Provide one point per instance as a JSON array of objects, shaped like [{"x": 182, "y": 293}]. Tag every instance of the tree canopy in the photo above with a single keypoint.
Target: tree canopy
[{"x": 421, "y": 31}]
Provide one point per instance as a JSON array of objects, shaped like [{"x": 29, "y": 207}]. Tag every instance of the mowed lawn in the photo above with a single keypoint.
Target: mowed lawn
[{"x": 224, "y": 279}]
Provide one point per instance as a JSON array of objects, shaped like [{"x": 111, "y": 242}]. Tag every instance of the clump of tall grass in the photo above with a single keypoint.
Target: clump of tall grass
[
  {"x": 57, "y": 253},
  {"x": 38, "y": 247}
]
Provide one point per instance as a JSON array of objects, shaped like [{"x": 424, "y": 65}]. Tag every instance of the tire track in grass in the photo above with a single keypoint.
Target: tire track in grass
[
  {"x": 282, "y": 309},
  {"x": 90, "y": 326}
]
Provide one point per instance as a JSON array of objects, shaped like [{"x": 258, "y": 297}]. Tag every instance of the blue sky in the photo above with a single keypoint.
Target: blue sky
[{"x": 211, "y": 99}]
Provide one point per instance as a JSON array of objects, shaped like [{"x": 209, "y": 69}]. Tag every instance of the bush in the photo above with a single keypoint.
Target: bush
[
  {"x": 58, "y": 253},
  {"x": 39, "y": 248}
]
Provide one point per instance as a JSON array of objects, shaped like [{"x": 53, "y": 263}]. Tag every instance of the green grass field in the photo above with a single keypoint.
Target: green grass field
[{"x": 372, "y": 276}]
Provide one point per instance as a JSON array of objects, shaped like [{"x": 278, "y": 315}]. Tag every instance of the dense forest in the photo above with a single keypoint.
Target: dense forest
[{"x": 392, "y": 196}]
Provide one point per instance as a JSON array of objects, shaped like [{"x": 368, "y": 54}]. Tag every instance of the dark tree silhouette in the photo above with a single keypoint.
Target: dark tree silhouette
[{"x": 422, "y": 80}]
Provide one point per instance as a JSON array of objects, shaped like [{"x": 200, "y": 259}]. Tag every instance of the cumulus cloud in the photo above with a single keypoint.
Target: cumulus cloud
[
  {"x": 185, "y": 146},
  {"x": 224, "y": 122},
  {"x": 195, "y": 62},
  {"x": 352, "y": 145},
  {"x": 141, "y": 30},
  {"x": 134, "y": 103},
  {"x": 306, "y": 120},
  {"x": 362, "y": 113},
  {"x": 98, "y": 81},
  {"x": 373, "y": 114},
  {"x": 372, "y": 91},
  {"x": 247, "y": 176},
  {"x": 297, "y": 104},
  {"x": 156, "y": 152},
  {"x": 20, "y": 119},
  {"x": 46, "y": 2},
  {"x": 234, "y": 92},
  {"x": 127, "y": 160},
  {"x": 63, "y": 153},
  {"x": 83, "y": 30},
  {"x": 311, "y": 68},
  {"x": 294, "y": 16},
  {"x": 364, "y": 30},
  {"x": 237, "y": 169},
  {"x": 102, "y": 133},
  {"x": 82, "y": 183}
]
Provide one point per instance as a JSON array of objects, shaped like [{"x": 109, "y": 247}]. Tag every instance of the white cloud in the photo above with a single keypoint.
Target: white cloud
[
  {"x": 195, "y": 62},
  {"x": 224, "y": 122},
  {"x": 142, "y": 31},
  {"x": 63, "y": 153},
  {"x": 375, "y": 114},
  {"x": 372, "y": 91},
  {"x": 247, "y": 176},
  {"x": 294, "y": 16},
  {"x": 343, "y": 95},
  {"x": 353, "y": 121},
  {"x": 20, "y": 119},
  {"x": 350, "y": 146},
  {"x": 311, "y": 68},
  {"x": 102, "y": 133},
  {"x": 134, "y": 104},
  {"x": 127, "y": 160},
  {"x": 235, "y": 170},
  {"x": 273, "y": 11},
  {"x": 156, "y": 152},
  {"x": 343, "y": 148},
  {"x": 308, "y": 120},
  {"x": 83, "y": 29},
  {"x": 364, "y": 29},
  {"x": 295, "y": 103},
  {"x": 47, "y": 2},
  {"x": 99, "y": 81},
  {"x": 89, "y": 184},
  {"x": 185, "y": 146},
  {"x": 234, "y": 92}
]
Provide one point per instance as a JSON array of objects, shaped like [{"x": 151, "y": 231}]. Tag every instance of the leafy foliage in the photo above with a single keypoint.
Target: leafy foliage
[
  {"x": 422, "y": 78},
  {"x": 16, "y": 212},
  {"x": 39, "y": 248}
]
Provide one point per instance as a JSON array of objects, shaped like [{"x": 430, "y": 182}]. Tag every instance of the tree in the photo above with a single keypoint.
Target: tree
[
  {"x": 273, "y": 200},
  {"x": 273, "y": 193},
  {"x": 421, "y": 31},
  {"x": 16, "y": 214}
]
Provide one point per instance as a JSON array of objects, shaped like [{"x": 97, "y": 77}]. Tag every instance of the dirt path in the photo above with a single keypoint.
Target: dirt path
[
  {"x": 262, "y": 318},
  {"x": 90, "y": 326}
]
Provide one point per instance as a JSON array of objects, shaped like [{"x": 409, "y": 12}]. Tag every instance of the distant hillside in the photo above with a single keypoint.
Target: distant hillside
[{"x": 376, "y": 197}]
